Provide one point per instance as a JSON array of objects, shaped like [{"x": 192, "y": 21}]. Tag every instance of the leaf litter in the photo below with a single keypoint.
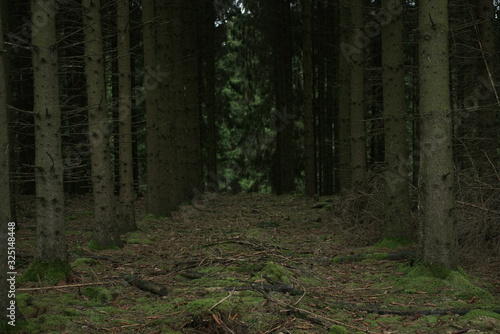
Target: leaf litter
[{"x": 250, "y": 263}]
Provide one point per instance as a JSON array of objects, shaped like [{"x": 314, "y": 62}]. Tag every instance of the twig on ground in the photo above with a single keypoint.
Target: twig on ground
[{"x": 221, "y": 301}]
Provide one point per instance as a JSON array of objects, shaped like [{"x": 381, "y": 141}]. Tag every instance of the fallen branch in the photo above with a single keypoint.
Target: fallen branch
[
  {"x": 64, "y": 286},
  {"x": 311, "y": 316},
  {"x": 145, "y": 285}
]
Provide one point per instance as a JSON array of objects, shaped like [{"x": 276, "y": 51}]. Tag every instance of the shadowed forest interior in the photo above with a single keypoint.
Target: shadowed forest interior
[{"x": 267, "y": 149}]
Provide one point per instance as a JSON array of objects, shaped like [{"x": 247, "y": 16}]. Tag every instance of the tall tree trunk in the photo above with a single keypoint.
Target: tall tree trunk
[
  {"x": 309, "y": 161},
  {"x": 208, "y": 56},
  {"x": 397, "y": 222},
  {"x": 284, "y": 164},
  {"x": 490, "y": 104},
  {"x": 438, "y": 237},
  {"x": 6, "y": 228},
  {"x": 51, "y": 243},
  {"x": 152, "y": 79},
  {"x": 344, "y": 127},
  {"x": 189, "y": 139},
  {"x": 127, "y": 215},
  {"x": 330, "y": 99},
  {"x": 357, "y": 105},
  {"x": 107, "y": 231}
]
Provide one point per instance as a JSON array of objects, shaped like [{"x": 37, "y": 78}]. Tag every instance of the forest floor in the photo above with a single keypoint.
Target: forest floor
[{"x": 252, "y": 263}]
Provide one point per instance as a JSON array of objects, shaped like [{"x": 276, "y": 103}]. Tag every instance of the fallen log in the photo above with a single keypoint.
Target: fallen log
[{"x": 145, "y": 285}]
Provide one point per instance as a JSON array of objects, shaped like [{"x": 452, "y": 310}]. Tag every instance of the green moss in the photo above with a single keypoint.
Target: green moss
[
  {"x": 482, "y": 313},
  {"x": 393, "y": 243},
  {"x": 93, "y": 245},
  {"x": 24, "y": 299},
  {"x": 429, "y": 270},
  {"x": 25, "y": 303},
  {"x": 202, "y": 306},
  {"x": 465, "y": 289},
  {"x": 336, "y": 329},
  {"x": 84, "y": 261},
  {"x": 150, "y": 217},
  {"x": 380, "y": 256},
  {"x": 436, "y": 279},
  {"x": 97, "y": 294},
  {"x": 138, "y": 239},
  {"x": 274, "y": 274},
  {"x": 47, "y": 272}
]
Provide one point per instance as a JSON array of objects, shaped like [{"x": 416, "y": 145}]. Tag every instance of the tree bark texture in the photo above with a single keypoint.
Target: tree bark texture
[
  {"x": 51, "y": 242},
  {"x": 438, "y": 239},
  {"x": 107, "y": 231}
]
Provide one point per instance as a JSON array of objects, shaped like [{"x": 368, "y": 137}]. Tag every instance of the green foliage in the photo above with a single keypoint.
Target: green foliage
[{"x": 47, "y": 272}]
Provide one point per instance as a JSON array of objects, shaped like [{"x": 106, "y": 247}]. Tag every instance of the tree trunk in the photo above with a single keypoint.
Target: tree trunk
[
  {"x": 210, "y": 101},
  {"x": 107, "y": 231},
  {"x": 189, "y": 140},
  {"x": 344, "y": 128},
  {"x": 357, "y": 105},
  {"x": 284, "y": 164},
  {"x": 438, "y": 237},
  {"x": 51, "y": 243},
  {"x": 309, "y": 161},
  {"x": 397, "y": 222},
  {"x": 127, "y": 215},
  {"x": 489, "y": 98},
  {"x": 5, "y": 217},
  {"x": 152, "y": 79}
]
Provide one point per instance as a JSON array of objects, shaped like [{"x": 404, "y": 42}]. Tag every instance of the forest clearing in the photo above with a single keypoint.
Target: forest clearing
[{"x": 254, "y": 263}]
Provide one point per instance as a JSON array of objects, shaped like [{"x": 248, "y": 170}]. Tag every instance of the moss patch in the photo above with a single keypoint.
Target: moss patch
[
  {"x": 138, "y": 239},
  {"x": 337, "y": 330},
  {"x": 84, "y": 261},
  {"x": 274, "y": 274},
  {"x": 482, "y": 313},
  {"x": 97, "y": 294},
  {"x": 47, "y": 272}
]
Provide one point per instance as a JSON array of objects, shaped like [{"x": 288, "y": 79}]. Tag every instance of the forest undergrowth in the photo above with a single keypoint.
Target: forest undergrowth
[{"x": 255, "y": 263}]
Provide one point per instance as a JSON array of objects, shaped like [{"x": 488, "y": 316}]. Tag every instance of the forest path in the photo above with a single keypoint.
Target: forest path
[{"x": 250, "y": 263}]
